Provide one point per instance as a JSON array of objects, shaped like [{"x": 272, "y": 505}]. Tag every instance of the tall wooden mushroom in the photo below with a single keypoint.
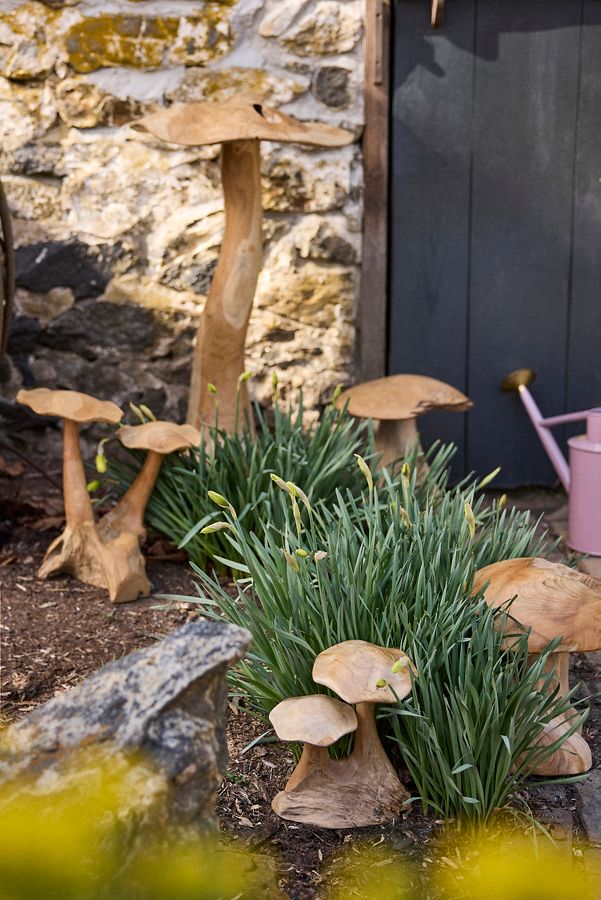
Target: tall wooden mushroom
[
  {"x": 552, "y": 601},
  {"x": 238, "y": 124}
]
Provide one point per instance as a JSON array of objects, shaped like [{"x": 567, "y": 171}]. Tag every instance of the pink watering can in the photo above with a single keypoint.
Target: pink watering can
[{"x": 582, "y": 477}]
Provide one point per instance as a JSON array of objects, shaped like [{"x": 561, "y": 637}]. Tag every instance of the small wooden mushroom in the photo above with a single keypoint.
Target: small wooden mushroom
[
  {"x": 105, "y": 554},
  {"x": 317, "y": 722},
  {"x": 396, "y": 401},
  {"x": 239, "y": 125},
  {"x": 364, "y": 788},
  {"x": 553, "y": 601}
]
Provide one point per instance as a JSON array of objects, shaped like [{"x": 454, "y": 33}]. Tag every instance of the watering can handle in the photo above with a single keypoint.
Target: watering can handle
[{"x": 567, "y": 417}]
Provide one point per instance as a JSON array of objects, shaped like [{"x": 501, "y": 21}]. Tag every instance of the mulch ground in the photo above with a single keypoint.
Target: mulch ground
[{"x": 55, "y": 633}]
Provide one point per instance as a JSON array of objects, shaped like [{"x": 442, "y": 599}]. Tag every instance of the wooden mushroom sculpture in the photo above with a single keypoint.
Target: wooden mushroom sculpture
[
  {"x": 552, "y": 601},
  {"x": 105, "y": 553},
  {"x": 317, "y": 722},
  {"x": 239, "y": 125},
  {"x": 77, "y": 550},
  {"x": 396, "y": 401},
  {"x": 363, "y": 788}
]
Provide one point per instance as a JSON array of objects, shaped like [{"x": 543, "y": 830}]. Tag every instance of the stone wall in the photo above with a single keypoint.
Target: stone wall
[{"x": 118, "y": 236}]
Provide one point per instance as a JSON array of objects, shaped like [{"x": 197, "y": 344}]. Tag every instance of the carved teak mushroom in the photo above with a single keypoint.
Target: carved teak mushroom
[
  {"x": 552, "y": 601},
  {"x": 363, "y": 788},
  {"x": 238, "y": 124},
  {"x": 105, "y": 554},
  {"x": 396, "y": 401}
]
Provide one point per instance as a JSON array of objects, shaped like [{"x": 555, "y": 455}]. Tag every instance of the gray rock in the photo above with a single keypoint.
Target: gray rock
[
  {"x": 588, "y": 794},
  {"x": 48, "y": 264},
  {"x": 95, "y": 324},
  {"x": 331, "y": 86},
  {"x": 164, "y": 704}
]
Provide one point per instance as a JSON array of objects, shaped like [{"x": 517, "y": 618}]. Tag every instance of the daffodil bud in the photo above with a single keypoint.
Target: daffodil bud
[
  {"x": 242, "y": 379},
  {"x": 336, "y": 393},
  {"x": 381, "y": 683},
  {"x": 297, "y": 515},
  {"x": 401, "y": 663},
  {"x": 211, "y": 388},
  {"x": 365, "y": 470},
  {"x": 291, "y": 561},
  {"x": 93, "y": 486},
  {"x": 137, "y": 412},
  {"x": 295, "y": 491},
  {"x": 490, "y": 477},
  {"x": 215, "y": 526},
  {"x": 280, "y": 482},
  {"x": 302, "y": 553},
  {"x": 502, "y": 502},
  {"x": 148, "y": 413},
  {"x": 101, "y": 461},
  {"x": 469, "y": 518},
  {"x": 220, "y": 500}
]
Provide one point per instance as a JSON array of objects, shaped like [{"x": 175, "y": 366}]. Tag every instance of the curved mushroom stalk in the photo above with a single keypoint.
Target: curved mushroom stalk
[
  {"x": 238, "y": 123},
  {"x": 219, "y": 352}
]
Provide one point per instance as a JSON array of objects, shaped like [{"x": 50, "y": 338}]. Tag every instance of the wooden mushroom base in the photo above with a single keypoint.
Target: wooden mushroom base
[
  {"x": 361, "y": 790},
  {"x": 102, "y": 556}
]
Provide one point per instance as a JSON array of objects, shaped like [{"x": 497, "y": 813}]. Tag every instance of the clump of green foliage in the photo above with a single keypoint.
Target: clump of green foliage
[
  {"x": 396, "y": 568},
  {"x": 320, "y": 456}
]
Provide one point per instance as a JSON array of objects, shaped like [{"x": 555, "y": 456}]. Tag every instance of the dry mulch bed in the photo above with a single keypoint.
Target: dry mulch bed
[{"x": 54, "y": 633}]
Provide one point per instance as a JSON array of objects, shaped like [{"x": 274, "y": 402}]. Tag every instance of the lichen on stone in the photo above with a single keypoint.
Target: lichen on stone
[{"x": 142, "y": 42}]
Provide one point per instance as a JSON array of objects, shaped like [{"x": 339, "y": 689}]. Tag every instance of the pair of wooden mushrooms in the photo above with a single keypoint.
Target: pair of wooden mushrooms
[
  {"x": 104, "y": 553},
  {"x": 362, "y": 788}
]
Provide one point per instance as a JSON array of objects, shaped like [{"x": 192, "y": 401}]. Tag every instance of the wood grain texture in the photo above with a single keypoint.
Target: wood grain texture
[
  {"x": 314, "y": 719},
  {"x": 361, "y": 672},
  {"x": 220, "y": 341},
  {"x": 551, "y": 599},
  {"x": 234, "y": 119},
  {"x": 362, "y": 789},
  {"x": 373, "y": 305}
]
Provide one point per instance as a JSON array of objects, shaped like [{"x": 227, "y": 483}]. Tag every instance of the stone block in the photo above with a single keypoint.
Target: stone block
[
  {"x": 588, "y": 793},
  {"x": 160, "y": 710}
]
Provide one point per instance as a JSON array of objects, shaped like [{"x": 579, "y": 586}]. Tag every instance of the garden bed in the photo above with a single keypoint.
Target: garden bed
[{"x": 66, "y": 630}]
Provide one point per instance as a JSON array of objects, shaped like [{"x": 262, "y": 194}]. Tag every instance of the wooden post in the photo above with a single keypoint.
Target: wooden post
[
  {"x": 219, "y": 351},
  {"x": 373, "y": 309}
]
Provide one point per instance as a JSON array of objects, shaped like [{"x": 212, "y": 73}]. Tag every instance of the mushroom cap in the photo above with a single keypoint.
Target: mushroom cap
[
  {"x": 236, "y": 119},
  {"x": 353, "y": 668},
  {"x": 316, "y": 719},
  {"x": 402, "y": 397},
  {"x": 552, "y": 600},
  {"x": 70, "y": 405},
  {"x": 162, "y": 437}
]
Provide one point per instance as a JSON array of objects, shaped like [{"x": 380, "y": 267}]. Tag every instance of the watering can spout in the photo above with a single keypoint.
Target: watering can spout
[{"x": 519, "y": 381}]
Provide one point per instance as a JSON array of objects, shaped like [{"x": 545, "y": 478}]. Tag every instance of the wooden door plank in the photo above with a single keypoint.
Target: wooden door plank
[
  {"x": 430, "y": 176},
  {"x": 584, "y": 347},
  {"x": 373, "y": 307},
  {"x": 525, "y": 100}
]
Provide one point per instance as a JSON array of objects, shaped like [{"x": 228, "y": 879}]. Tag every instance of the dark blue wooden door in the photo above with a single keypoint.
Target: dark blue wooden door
[{"x": 496, "y": 216}]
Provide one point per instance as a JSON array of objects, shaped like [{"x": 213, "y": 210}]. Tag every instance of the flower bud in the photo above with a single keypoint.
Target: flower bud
[
  {"x": 401, "y": 663},
  {"x": 291, "y": 561},
  {"x": 242, "y": 379},
  {"x": 211, "y": 388},
  {"x": 381, "y": 683},
  {"x": 93, "y": 486},
  {"x": 365, "y": 470},
  {"x": 148, "y": 413},
  {"x": 215, "y": 526},
  {"x": 220, "y": 500},
  {"x": 302, "y": 553},
  {"x": 470, "y": 518}
]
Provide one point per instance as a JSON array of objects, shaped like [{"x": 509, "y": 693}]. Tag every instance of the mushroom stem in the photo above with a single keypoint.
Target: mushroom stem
[
  {"x": 129, "y": 512},
  {"x": 559, "y": 663},
  {"x": 312, "y": 759},
  {"x": 395, "y": 438},
  {"x": 78, "y": 506},
  {"x": 368, "y": 752},
  {"x": 219, "y": 351}
]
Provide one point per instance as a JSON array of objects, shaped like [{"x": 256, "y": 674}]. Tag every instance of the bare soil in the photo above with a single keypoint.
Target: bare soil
[{"x": 54, "y": 633}]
